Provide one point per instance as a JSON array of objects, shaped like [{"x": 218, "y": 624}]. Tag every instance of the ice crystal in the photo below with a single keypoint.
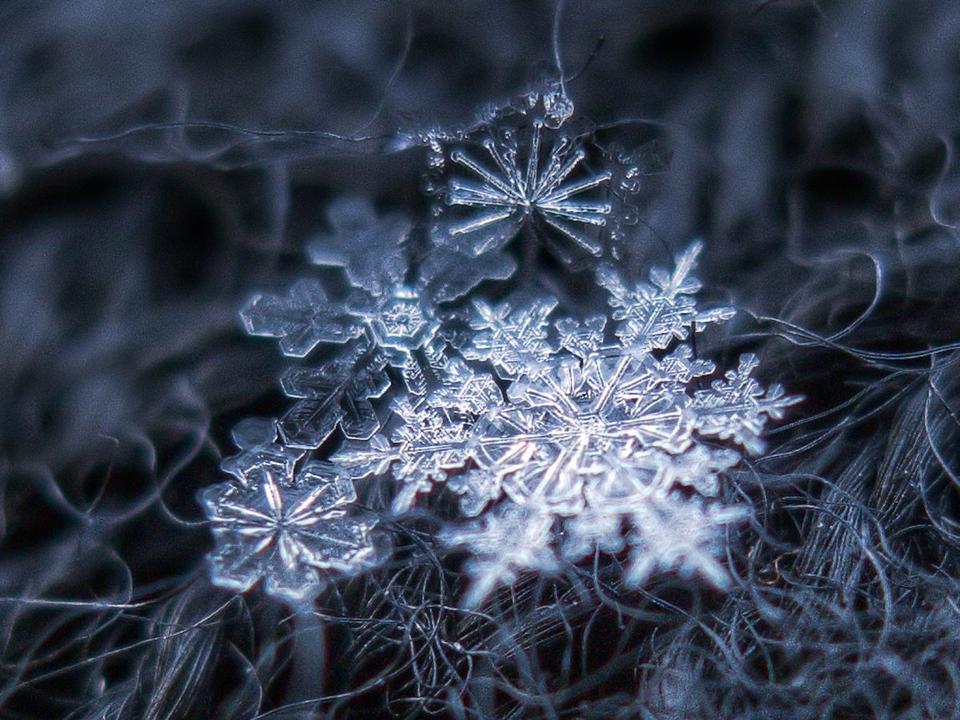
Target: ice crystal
[
  {"x": 511, "y": 336},
  {"x": 286, "y": 528},
  {"x": 381, "y": 322},
  {"x": 501, "y": 544},
  {"x": 525, "y": 173},
  {"x": 612, "y": 436},
  {"x": 562, "y": 437}
]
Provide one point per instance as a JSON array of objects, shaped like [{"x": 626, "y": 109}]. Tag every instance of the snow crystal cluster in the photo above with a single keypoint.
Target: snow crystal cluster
[{"x": 561, "y": 436}]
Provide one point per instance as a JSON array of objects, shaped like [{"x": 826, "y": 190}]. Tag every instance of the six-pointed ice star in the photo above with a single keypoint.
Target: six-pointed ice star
[{"x": 286, "y": 532}]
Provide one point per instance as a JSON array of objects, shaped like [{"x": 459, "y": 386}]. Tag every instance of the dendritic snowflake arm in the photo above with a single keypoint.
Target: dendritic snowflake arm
[
  {"x": 431, "y": 435},
  {"x": 502, "y": 543},
  {"x": 512, "y": 336},
  {"x": 582, "y": 340},
  {"x": 737, "y": 408},
  {"x": 301, "y": 319},
  {"x": 368, "y": 247},
  {"x": 428, "y": 442},
  {"x": 287, "y": 531},
  {"x": 335, "y": 393},
  {"x": 652, "y": 316},
  {"x": 682, "y": 534}
]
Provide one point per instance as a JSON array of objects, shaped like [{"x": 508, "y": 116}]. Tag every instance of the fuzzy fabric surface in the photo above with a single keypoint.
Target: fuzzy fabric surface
[{"x": 163, "y": 165}]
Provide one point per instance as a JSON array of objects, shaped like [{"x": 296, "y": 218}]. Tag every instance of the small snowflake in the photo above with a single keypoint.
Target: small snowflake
[
  {"x": 501, "y": 544},
  {"x": 520, "y": 172},
  {"x": 682, "y": 534},
  {"x": 286, "y": 530},
  {"x": 400, "y": 321},
  {"x": 380, "y": 323}
]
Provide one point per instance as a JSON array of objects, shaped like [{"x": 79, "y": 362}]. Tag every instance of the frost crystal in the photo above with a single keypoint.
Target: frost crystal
[{"x": 285, "y": 528}]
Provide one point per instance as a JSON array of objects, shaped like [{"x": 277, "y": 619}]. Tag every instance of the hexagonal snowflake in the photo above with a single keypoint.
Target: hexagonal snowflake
[
  {"x": 602, "y": 434},
  {"x": 525, "y": 180},
  {"x": 287, "y": 530},
  {"x": 518, "y": 189}
]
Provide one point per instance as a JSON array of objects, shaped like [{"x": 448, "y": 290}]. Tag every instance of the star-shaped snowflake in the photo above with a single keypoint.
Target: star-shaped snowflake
[
  {"x": 400, "y": 320},
  {"x": 502, "y": 543},
  {"x": 679, "y": 533},
  {"x": 521, "y": 187},
  {"x": 605, "y": 436},
  {"x": 286, "y": 531}
]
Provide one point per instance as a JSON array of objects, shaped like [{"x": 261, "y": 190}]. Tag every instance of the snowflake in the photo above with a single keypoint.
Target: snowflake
[
  {"x": 287, "y": 529},
  {"x": 502, "y": 543},
  {"x": 399, "y": 321},
  {"x": 525, "y": 178},
  {"x": 381, "y": 322},
  {"x": 682, "y": 534},
  {"x": 601, "y": 434},
  {"x": 580, "y": 423}
]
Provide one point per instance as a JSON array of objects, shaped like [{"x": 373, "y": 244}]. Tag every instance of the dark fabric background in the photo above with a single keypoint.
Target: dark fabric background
[{"x": 161, "y": 160}]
